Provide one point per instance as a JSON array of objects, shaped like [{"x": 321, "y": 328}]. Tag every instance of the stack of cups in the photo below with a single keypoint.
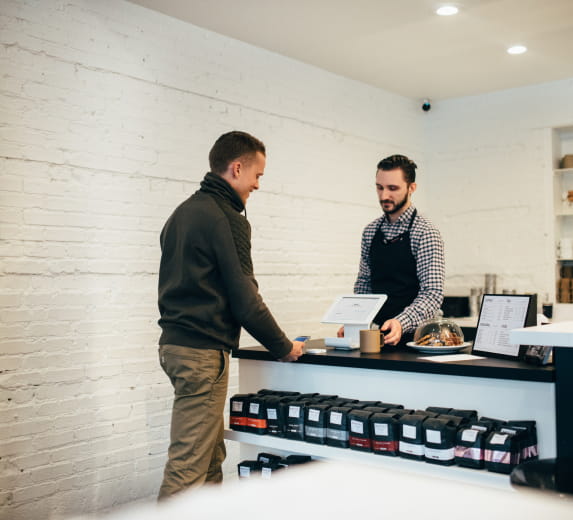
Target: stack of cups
[
  {"x": 475, "y": 300},
  {"x": 490, "y": 286}
]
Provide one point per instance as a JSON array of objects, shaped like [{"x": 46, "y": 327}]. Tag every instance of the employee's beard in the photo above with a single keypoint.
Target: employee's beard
[{"x": 396, "y": 207}]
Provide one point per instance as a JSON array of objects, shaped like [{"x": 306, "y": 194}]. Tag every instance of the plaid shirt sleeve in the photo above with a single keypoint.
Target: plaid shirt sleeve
[
  {"x": 428, "y": 249},
  {"x": 363, "y": 284}
]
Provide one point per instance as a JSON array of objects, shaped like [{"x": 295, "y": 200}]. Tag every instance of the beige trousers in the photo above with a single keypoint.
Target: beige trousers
[{"x": 197, "y": 449}]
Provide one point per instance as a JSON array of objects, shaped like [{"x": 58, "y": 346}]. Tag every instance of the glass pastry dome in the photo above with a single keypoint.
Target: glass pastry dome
[{"x": 439, "y": 332}]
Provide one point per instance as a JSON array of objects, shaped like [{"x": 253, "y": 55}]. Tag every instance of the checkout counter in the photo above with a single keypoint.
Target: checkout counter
[{"x": 494, "y": 387}]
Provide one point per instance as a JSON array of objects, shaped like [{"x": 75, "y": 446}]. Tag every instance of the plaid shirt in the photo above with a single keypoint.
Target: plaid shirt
[{"x": 428, "y": 250}]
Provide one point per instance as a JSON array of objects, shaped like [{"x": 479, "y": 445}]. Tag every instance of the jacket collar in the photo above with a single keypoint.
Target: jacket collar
[{"x": 219, "y": 187}]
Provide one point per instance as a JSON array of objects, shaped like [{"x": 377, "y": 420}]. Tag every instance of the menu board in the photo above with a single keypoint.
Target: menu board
[{"x": 498, "y": 316}]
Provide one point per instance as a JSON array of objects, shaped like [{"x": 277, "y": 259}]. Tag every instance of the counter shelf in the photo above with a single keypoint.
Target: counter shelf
[{"x": 323, "y": 452}]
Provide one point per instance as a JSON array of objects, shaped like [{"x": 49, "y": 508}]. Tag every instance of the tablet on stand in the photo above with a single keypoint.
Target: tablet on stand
[{"x": 356, "y": 312}]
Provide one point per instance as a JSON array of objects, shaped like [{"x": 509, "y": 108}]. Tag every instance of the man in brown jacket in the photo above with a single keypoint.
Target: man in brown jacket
[{"x": 207, "y": 292}]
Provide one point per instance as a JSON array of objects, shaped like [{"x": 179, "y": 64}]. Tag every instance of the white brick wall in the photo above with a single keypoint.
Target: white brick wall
[
  {"x": 491, "y": 158},
  {"x": 107, "y": 113}
]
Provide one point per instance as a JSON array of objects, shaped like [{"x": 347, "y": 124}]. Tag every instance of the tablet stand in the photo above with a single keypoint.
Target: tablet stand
[{"x": 356, "y": 312}]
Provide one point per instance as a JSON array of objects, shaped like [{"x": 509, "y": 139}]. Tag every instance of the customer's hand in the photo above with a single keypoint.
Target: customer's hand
[
  {"x": 340, "y": 332},
  {"x": 392, "y": 330},
  {"x": 295, "y": 352}
]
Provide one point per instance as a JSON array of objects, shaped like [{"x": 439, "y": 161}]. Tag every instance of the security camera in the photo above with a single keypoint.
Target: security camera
[{"x": 426, "y": 105}]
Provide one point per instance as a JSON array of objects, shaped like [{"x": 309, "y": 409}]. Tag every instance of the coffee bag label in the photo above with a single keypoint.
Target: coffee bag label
[
  {"x": 469, "y": 435},
  {"x": 434, "y": 436},
  {"x": 293, "y": 411},
  {"x": 356, "y": 427},
  {"x": 335, "y": 418},
  {"x": 313, "y": 415},
  {"x": 498, "y": 438},
  {"x": 409, "y": 431}
]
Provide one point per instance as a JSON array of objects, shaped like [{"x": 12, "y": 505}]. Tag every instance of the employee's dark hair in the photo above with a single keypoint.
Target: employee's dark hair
[
  {"x": 230, "y": 146},
  {"x": 400, "y": 161}
]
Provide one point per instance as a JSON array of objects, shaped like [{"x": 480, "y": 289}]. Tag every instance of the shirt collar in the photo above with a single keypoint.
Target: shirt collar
[{"x": 404, "y": 217}]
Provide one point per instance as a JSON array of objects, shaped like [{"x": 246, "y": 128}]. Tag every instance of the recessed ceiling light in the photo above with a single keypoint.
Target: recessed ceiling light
[
  {"x": 517, "y": 49},
  {"x": 447, "y": 10}
]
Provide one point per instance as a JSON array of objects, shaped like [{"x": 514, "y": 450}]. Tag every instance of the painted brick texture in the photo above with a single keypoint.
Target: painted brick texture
[{"x": 107, "y": 113}]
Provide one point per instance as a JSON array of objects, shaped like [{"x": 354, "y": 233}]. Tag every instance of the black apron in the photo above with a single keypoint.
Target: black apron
[{"x": 393, "y": 272}]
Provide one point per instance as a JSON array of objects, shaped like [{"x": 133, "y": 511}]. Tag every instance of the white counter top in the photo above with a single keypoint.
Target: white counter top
[{"x": 552, "y": 335}]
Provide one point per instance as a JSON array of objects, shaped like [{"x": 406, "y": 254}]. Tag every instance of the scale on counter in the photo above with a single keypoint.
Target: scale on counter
[{"x": 356, "y": 312}]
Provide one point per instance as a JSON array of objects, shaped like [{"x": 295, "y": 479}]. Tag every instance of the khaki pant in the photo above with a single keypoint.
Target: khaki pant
[{"x": 197, "y": 448}]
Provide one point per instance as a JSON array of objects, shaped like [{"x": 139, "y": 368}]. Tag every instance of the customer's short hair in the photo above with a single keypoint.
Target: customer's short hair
[
  {"x": 230, "y": 146},
  {"x": 400, "y": 161}
]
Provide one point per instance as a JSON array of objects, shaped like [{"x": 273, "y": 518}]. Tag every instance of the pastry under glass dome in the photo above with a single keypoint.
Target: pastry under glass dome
[{"x": 439, "y": 332}]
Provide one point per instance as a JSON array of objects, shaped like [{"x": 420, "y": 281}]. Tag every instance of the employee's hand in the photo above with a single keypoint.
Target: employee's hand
[
  {"x": 340, "y": 333},
  {"x": 295, "y": 352},
  {"x": 392, "y": 330}
]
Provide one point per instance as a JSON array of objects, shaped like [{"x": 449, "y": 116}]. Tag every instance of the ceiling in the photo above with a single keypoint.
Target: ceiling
[{"x": 401, "y": 45}]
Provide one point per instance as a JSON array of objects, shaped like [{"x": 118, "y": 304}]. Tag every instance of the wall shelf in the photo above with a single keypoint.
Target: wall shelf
[{"x": 561, "y": 145}]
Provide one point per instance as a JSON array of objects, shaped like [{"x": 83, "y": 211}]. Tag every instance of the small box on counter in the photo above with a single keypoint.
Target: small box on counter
[
  {"x": 337, "y": 426},
  {"x": 257, "y": 414},
  {"x": 269, "y": 458},
  {"x": 294, "y": 420},
  {"x": 364, "y": 404},
  {"x": 438, "y": 409},
  {"x": 389, "y": 406},
  {"x": 385, "y": 429},
  {"x": 456, "y": 420},
  {"x": 425, "y": 413},
  {"x": 470, "y": 447},
  {"x": 470, "y": 415},
  {"x": 360, "y": 436},
  {"x": 374, "y": 409},
  {"x": 340, "y": 401},
  {"x": 238, "y": 413},
  {"x": 528, "y": 441},
  {"x": 310, "y": 395},
  {"x": 275, "y": 420},
  {"x": 400, "y": 411},
  {"x": 315, "y": 422},
  {"x": 249, "y": 468},
  {"x": 501, "y": 453},
  {"x": 440, "y": 440},
  {"x": 490, "y": 423},
  {"x": 322, "y": 398},
  {"x": 270, "y": 464},
  {"x": 267, "y": 464},
  {"x": 411, "y": 445}
]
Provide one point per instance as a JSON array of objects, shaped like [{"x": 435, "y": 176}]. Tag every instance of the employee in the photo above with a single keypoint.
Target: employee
[{"x": 402, "y": 255}]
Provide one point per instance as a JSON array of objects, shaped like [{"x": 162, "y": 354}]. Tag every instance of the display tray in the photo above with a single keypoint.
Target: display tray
[{"x": 426, "y": 349}]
